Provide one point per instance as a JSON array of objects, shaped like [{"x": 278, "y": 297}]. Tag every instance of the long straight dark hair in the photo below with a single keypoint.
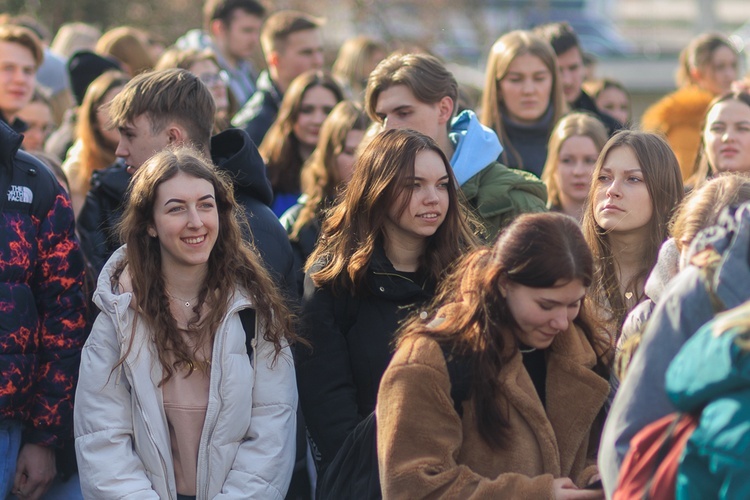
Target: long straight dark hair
[{"x": 470, "y": 314}]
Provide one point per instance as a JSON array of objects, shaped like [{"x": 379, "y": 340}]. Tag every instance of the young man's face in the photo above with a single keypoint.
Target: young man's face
[
  {"x": 572, "y": 73},
  {"x": 241, "y": 35},
  {"x": 398, "y": 108},
  {"x": 138, "y": 142},
  {"x": 303, "y": 50},
  {"x": 17, "y": 77}
]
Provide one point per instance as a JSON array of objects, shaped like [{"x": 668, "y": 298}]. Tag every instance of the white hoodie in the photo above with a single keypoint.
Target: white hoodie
[{"x": 247, "y": 447}]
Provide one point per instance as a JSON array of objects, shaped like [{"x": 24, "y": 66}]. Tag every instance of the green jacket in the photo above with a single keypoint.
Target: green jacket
[{"x": 499, "y": 194}]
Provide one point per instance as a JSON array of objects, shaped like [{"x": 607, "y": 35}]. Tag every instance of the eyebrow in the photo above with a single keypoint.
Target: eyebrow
[
  {"x": 558, "y": 303},
  {"x": 416, "y": 178},
  {"x": 177, "y": 200},
  {"x": 628, "y": 171}
]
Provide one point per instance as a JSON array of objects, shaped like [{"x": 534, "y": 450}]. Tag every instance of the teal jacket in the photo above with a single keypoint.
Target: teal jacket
[
  {"x": 712, "y": 372},
  {"x": 497, "y": 193}
]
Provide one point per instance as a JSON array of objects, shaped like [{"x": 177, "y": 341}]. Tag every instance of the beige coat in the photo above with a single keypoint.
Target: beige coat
[{"x": 426, "y": 451}]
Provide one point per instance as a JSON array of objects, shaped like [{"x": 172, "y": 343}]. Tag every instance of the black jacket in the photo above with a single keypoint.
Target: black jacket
[
  {"x": 233, "y": 152},
  {"x": 586, "y": 103},
  {"x": 42, "y": 305},
  {"x": 259, "y": 113},
  {"x": 351, "y": 347}
]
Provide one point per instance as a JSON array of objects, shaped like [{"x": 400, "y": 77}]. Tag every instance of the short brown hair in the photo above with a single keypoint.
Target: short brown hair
[
  {"x": 170, "y": 95},
  {"x": 280, "y": 25},
  {"x": 13, "y": 33},
  {"x": 223, "y": 10},
  {"x": 423, "y": 74}
]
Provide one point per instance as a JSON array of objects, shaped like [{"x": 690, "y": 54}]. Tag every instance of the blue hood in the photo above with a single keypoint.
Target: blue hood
[{"x": 476, "y": 146}]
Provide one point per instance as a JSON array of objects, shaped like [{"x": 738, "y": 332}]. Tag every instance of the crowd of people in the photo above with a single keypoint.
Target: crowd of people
[{"x": 223, "y": 283}]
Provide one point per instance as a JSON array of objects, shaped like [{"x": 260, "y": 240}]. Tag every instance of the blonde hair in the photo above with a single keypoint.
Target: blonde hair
[
  {"x": 503, "y": 53},
  {"x": 571, "y": 125},
  {"x": 128, "y": 45}
]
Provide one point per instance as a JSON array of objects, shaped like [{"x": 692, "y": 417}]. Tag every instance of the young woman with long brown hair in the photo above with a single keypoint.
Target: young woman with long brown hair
[
  {"x": 169, "y": 404},
  {"x": 294, "y": 135},
  {"x": 515, "y": 317},
  {"x": 636, "y": 186},
  {"x": 382, "y": 250},
  {"x": 323, "y": 177}
]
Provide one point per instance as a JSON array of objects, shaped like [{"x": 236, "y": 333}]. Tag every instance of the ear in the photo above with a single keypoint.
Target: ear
[
  {"x": 445, "y": 109},
  {"x": 695, "y": 75},
  {"x": 503, "y": 286},
  {"x": 151, "y": 232},
  {"x": 176, "y": 134},
  {"x": 216, "y": 28},
  {"x": 273, "y": 58}
]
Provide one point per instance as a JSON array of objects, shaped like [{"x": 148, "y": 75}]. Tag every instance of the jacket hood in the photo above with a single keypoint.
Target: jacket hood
[
  {"x": 476, "y": 146},
  {"x": 234, "y": 152}
]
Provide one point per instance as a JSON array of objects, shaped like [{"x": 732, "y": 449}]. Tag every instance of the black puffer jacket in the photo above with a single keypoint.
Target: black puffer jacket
[{"x": 351, "y": 347}]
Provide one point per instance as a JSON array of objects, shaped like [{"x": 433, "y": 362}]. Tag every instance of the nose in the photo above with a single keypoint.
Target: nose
[
  {"x": 194, "y": 218},
  {"x": 727, "y": 135},
  {"x": 431, "y": 196},
  {"x": 318, "y": 59},
  {"x": 613, "y": 191},
  {"x": 560, "y": 319},
  {"x": 121, "y": 151}
]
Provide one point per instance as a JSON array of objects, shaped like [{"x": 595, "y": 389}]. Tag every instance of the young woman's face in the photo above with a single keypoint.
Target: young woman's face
[
  {"x": 575, "y": 166},
  {"x": 427, "y": 205},
  {"x": 526, "y": 89},
  {"x": 210, "y": 74},
  {"x": 726, "y": 138},
  {"x": 316, "y": 104},
  {"x": 186, "y": 221},
  {"x": 621, "y": 202},
  {"x": 543, "y": 313},
  {"x": 717, "y": 76},
  {"x": 345, "y": 159},
  {"x": 38, "y": 118},
  {"x": 111, "y": 135},
  {"x": 615, "y": 103}
]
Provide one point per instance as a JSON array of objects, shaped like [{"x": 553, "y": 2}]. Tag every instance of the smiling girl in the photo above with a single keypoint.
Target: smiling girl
[
  {"x": 514, "y": 317},
  {"x": 169, "y": 404},
  {"x": 382, "y": 250},
  {"x": 636, "y": 186},
  {"x": 522, "y": 98}
]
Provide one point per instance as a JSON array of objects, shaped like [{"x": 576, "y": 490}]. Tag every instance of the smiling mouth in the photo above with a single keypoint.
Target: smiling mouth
[
  {"x": 194, "y": 240},
  {"x": 430, "y": 216}
]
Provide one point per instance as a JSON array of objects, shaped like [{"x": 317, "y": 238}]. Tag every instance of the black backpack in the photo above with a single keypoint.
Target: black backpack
[{"x": 354, "y": 471}]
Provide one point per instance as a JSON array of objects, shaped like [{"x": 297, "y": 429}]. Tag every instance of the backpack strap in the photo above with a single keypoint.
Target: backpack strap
[{"x": 248, "y": 316}]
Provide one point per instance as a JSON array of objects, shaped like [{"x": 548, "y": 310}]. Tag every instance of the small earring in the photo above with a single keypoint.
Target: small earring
[{"x": 152, "y": 233}]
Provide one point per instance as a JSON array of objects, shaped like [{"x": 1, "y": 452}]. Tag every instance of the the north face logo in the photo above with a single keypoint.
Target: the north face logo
[{"x": 20, "y": 194}]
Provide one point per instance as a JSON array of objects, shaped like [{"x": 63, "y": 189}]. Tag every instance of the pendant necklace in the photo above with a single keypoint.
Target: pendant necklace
[{"x": 186, "y": 302}]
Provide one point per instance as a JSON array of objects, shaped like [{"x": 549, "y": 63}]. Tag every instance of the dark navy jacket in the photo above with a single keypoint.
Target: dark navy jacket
[
  {"x": 259, "y": 113},
  {"x": 42, "y": 304}
]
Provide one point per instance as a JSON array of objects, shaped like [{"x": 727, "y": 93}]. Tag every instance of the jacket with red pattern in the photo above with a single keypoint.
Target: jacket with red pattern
[{"x": 42, "y": 304}]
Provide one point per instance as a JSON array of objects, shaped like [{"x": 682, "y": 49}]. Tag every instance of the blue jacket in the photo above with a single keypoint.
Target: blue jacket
[
  {"x": 712, "y": 372},
  {"x": 684, "y": 308},
  {"x": 42, "y": 305}
]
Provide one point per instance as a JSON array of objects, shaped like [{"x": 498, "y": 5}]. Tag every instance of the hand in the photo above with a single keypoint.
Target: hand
[
  {"x": 35, "y": 471},
  {"x": 564, "y": 489}
]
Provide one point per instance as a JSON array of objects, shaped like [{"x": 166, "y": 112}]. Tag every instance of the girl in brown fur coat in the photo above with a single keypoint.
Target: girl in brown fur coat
[{"x": 530, "y": 426}]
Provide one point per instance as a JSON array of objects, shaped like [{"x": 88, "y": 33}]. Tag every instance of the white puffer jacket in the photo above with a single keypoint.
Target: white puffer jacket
[{"x": 247, "y": 447}]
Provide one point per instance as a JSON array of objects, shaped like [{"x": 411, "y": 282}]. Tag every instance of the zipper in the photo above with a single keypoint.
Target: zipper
[
  {"x": 151, "y": 435},
  {"x": 210, "y": 423}
]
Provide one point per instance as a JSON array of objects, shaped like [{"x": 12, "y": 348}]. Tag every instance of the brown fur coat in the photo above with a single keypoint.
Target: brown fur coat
[
  {"x": 679, "y": 116},
  {"x": 426, "y": 451}
]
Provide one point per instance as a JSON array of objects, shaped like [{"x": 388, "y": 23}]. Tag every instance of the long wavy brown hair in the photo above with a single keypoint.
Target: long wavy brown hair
[
  {"x": 230, "y": 259},
  {"x": 280, "y": 147},
  {"x": 318, "y": 177},
  {"x": 661, "y": 174},
  {"x": 355, "y": 224},
  {"x": 474, "y": 320}
]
